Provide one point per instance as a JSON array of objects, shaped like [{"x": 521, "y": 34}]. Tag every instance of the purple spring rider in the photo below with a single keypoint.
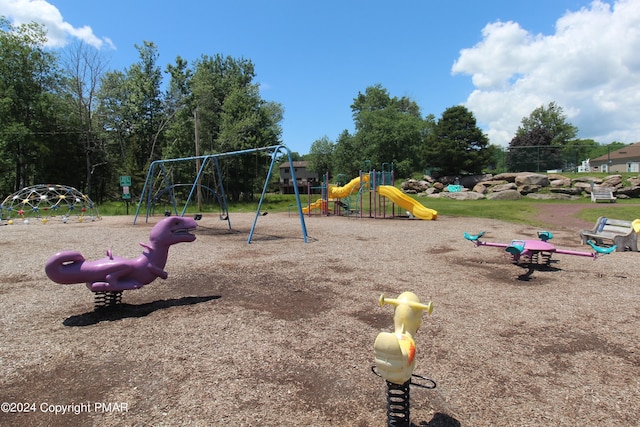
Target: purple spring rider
[{"x": 109, "y": 276}]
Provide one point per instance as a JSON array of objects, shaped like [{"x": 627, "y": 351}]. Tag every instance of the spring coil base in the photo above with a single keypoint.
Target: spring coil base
[
  {"x": 398, "y": 411},
  {"x": 107, "y": 299},
  {"x": 541, "y": 258}
]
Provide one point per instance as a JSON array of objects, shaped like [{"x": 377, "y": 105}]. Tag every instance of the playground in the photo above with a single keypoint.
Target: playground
[
  {"x": 370, "y": 195},
  {"x": 281, "y": 332}
]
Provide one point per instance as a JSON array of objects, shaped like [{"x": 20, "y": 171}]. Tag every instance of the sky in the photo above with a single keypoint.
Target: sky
[{"x": 501, "y": 58}]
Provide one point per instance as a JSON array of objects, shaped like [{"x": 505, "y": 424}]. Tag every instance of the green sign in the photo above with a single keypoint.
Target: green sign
[
  {"x": 126, "y": 196},
  {"x": 125, "y": 181}
]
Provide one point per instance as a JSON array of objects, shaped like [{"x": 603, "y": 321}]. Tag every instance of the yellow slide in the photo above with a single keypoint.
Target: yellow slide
[
  {"x": 336, "y": 192},
  {"x": 315, "y": 205},
  {"x": 407, "y": 202},
  {"x": 345, "y": 191}
]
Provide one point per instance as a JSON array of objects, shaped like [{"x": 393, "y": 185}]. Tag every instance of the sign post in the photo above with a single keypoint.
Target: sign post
[{"x": 125, "y": 183}]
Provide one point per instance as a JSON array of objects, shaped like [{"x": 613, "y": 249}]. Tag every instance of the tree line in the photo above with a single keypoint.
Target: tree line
[
  {"x": 67, "y": 119},
  {"x": 391, "y": 130}
]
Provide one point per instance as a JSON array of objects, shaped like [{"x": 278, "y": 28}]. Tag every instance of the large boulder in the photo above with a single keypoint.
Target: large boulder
[
  {"x": 507, "y": 176},
  {"x": 414, "y": 186},
  {"x": 532, "y": 179},
  {"x": 612, "y": 181},
  {"x": 480, "y": 188},
  {"x": 629, "y": 192},
  {"x": 528, "y": 189},
  {"x": 583, "y": 186},
  {"x": 503, "y": 187},
  {"x": 634, "y": 181},
  {"x": 573, "y": 191},
  {"x": 505, "y": 195},
  {"x": 556, "y": 176},
  {"x": 564, "y": 182},
  {"x": 587, "y": 179}
]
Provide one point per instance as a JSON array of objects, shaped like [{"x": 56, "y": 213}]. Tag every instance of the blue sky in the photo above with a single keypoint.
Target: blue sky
[{"x": 501, "y": 59}]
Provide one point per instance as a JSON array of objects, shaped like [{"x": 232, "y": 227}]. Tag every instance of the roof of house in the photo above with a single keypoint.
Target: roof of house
[
  {"x": 626, "y": 153},
  {"x": 296, "y": 164}
]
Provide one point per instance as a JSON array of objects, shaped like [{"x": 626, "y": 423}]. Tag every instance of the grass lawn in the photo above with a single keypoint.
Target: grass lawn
[{"x": 522, "y": 211}]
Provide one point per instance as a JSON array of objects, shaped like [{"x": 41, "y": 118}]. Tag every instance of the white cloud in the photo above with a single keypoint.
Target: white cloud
[
  {"x": 590, "y": 67},
  {"x": 58, "y": 30}
]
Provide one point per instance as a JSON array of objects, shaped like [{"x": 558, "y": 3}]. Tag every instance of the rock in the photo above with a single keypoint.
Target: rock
[
  {"x": 414, "y": 186},
  {"x": 463, "y": 195},
  {"x": 528, "y": 188},
  {"x": 526, "y": 184},
  {"x": 493, "y": 182},
  {"x": 574, "y": 191},
  {"x": 612, "y": 181},
  {"x": 628, "y": 191},
  {"x": 634, "y": 181},
  {"x": 503, "y": 187},
  {"x": 552, "y": 196},
  {"x": 532, "y": 179},
  {"x": 588, "y": 179},
  {"x": 556, "y": 176},
  {"x": 479, "y": 188},
  {"x": 583, "y": 186},
  {"x": 507, "y": 176},
  {"x": 505, "y": 195},
  {"x": 472, "y": 180}
]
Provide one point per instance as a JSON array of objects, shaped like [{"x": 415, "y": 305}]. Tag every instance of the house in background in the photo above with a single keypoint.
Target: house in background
[
  {"x": 626, "y": 159},
  {"x": 304, "y": 178}
]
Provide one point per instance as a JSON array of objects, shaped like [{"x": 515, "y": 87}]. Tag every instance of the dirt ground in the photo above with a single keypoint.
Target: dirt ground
[{"x": 280, "y": 332}]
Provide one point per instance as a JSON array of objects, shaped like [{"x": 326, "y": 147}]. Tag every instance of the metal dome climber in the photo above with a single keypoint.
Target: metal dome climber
[{"x": 47, "y": 202}]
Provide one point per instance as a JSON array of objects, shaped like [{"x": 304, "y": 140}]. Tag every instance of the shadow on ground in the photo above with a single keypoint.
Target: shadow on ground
[{"x": 124, "y": 311}]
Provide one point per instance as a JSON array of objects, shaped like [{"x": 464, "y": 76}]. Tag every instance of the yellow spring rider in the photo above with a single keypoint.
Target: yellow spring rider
[{"x": 395, "y": 354}]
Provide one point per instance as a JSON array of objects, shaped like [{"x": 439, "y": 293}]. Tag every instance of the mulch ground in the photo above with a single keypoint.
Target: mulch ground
[{"x": 280, "y": 332}]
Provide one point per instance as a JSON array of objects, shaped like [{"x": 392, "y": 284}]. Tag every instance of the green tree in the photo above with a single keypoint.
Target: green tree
[
  {"x": 321, "y": 155},
  {"x": 553, "y": 120},
  {"x": 233, "y": 117},
  {"x": 29, "y": 81},
  {"x": 117, "y": 121},
  {"x": 348, "y": 157},
  {"x": 540, "y": 140},
  {"x": 533, "y": 151},
  {"x": 179, "y": 108},
  {"x": 577, "y": 150},
  {"x": 457, "y": 146},
  {"x": 146, "y": 104},
  {"x": 388, "y": 129},
  {"x": 132, "y": 109},
  {"x": 84, "y": 67}
]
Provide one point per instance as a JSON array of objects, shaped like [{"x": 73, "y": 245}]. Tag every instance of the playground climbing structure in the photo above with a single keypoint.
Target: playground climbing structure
[
  {"x": 45, "y": 202},
  {"x": 371, "y": 194}
]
